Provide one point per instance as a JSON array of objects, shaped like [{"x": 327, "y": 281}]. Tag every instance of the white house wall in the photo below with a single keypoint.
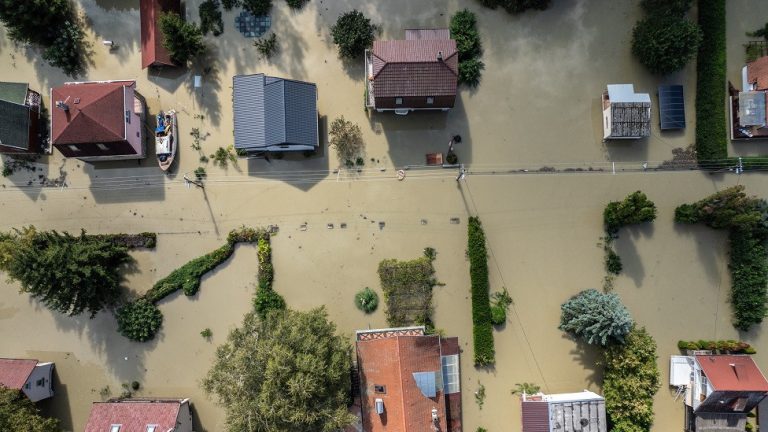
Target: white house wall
[
  {"x": 184, "y": 420},
  {"x": 35, "y": 392},
  {"x": 132, "y": 129}
]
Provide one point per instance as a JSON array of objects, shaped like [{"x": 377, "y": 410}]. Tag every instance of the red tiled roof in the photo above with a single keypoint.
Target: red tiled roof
[
  {"x": 96, "y": 113},
  {"x": 391, "y": 362},
  {"x": 404, "y": 68},
  {"x": 134, "y": 416},
  {"x": 732, "y": 373},
  {"x": 414, "y": 34},
  {"x": 152, "y": 50},
  {"x": 14, "y": 372},
  {"x": 757, "y": 72}
]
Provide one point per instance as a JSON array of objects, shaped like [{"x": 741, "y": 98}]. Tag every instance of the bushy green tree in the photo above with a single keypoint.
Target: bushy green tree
[
  {"x": 68, "y": 274},
  {"x": 595, "y": 317},
  {"x": 210, "y": 17},
  {"x": 470, "y": 71},
  {"x": 290, "y": 372},
  {"x": 630, "y": 381},
  {"x": 730, "y": 208},
  {"x": 347, "y": 139},
  {"x": 665, "y": 44},
  {"x": 139, "y": 320},
  {"x": 66, "y": 51},
  {"x": 183, "y": 40},
  {"x": 636, "y": 208},
  {"x": 658, "y": 8},
  {"x": 516, "y": 6},
  {"x": 463, "y": 29},
  {"x": 18, "y": 414},
  {"x": 258, "y": 7},
  {"x": 353, "y": 34},
  {"x": 367, "y": 300}
]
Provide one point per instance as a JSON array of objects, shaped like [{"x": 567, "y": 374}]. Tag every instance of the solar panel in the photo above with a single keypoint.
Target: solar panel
[{"x": 671, "y": 107}]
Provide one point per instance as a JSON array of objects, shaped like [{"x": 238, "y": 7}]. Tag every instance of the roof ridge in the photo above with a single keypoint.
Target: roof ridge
[{"x": 402, "y": 382}]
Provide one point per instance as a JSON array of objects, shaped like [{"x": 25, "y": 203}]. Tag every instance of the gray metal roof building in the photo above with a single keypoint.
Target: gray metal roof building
[{"x": 274, "y": 114}]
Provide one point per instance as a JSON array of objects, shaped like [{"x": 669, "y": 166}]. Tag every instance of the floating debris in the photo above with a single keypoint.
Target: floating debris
[
  {"x": 455, "y": 220},
  {"x": 381, "y": 225},
  {"x": 343, "y": 225},
  {"x": 303, "y": 227},
  {"x": 423, "y": 221},
  {"x": 329, "y": 226}
]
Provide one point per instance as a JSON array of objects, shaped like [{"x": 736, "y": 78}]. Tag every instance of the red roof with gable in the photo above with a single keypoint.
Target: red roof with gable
[
  {"x": 96, "y": 112},
  {"x": 732, "y": 373},
  {"x": 391, "y": 361},
  {"x": 757, "y": 72},
  {"x": 152, "y": 51},
  {"x": 14, "y": 372},
  {"x": 134, "y": 416},
  {"x": 415, "y": 67}
]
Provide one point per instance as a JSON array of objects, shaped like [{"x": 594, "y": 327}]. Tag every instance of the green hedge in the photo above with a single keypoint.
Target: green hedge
[
  {"x": 266, "y": 298},
  {"x": 723, "y": 346},
  {"x": 482, "y": 322},
  {"x": 139, "y": 320},
  {"x": 711, "y": 125}
]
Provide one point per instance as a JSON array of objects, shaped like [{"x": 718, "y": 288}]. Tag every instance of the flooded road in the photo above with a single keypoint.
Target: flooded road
[{"x": 537, "y": 105}]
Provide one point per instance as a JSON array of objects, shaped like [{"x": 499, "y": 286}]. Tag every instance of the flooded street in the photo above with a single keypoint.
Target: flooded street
[{"x": 537, "y": 105}]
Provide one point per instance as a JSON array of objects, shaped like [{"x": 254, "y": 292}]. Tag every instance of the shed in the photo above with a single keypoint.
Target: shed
[
  {"x": 152, "y": 51},
  {"x": 671, "y": 107}
]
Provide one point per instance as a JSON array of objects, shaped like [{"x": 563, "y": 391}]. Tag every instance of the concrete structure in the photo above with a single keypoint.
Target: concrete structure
[
  {"x": 152, "y": 51},
  {"x": 418, "y": 73},
  {"x": 626, "y": 114},
  {"x": 31, "y": 377},
  {"x": 409, "y": 381},
  {"x": 274, "y": 114},
  {"x": 140, "y": 415},
  {"x": 98, "y": 120},
  {"x": 718, "y": 390},
  {"x": 19, "y": 119},
  {"x": 565, "y": 412}
]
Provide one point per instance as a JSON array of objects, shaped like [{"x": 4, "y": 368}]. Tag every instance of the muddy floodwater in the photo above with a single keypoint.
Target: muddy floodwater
[{"x": 537, "y": 105}]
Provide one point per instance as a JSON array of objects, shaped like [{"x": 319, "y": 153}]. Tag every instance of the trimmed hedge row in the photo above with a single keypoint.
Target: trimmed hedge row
[
  {"x": 482, "y": 323},
  {"x": 711, "y": 125},
  {"x": 266, "y": 299},
  {"x": 723, "y": 346},
  {"x": 749, "y": 276}
]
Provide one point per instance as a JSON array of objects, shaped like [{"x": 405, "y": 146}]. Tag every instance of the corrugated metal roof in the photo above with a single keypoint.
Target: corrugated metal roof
[{"x": 272, "y": 113}]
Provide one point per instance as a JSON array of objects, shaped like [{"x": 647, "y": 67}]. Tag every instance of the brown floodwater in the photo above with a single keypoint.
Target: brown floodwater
[{"x": 537, "y": 105}]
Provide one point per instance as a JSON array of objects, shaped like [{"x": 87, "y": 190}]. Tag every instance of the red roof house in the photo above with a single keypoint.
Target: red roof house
[
  {"x": 152, "y": 51},
  {"x": 96, "y": 121},
  {"x": 409, "y": 381},
  {"x": 30, "y": 376},
  {"x": 140, "y": 415},
  {"x": 757, "y": 74},
  {"x": 420, "y": 72}
]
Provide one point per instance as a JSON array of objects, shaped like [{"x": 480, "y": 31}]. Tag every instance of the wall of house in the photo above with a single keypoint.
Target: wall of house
[
  {"x": 184, "y": 420},
  {"x": 91, "y": 151},
  {"x": 38, "y": 385},
  {"x": 415, "y": 102},
  {"x": 607, "y": 122},
  {"x": 133, "y": 132}
]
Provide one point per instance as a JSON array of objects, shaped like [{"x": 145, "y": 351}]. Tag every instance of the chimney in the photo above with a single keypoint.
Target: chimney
[{"x": 439, "y": 56}]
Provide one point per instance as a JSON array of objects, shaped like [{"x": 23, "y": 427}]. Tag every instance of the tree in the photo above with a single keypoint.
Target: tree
[
  {"x": 630, "y": 381},
  {"x": 257, "y": 7},
  {"x": 657, "y": 8},
  {"x": 665, "y": 44},
  {"x": 597, "y": 318},
  {"x": 347, "y": 138},
  {"x": 68, "y": 274},
  {"x": 183, "y": 40},
  {"x": 290, "y": 372},
  {"x": 66, "y": 51},
  {"x": 229, "y": 4},
  {"x": 296, "y": 4},
  {"x": 730, "y": 208},
  {"x": 636, "y": 208},
  {"x": 266, "y": 46},
  {"x": 463, "y": 29},
  {"x": 139, "y": 320},
  {"x": 470, "y": 71},
  {"x": 210, "y": 17},
  {"x": 516, "y": 6},
  {"x": 353, "y": 33},
  {"x": 18, "y": 414}
]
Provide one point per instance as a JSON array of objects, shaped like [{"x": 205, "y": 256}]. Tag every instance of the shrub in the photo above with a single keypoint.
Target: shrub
[
  {"x": 210, "y": 17},
  {"x": 596, "y": 318},
  {"x": 499, "y": 306},
  {"x": 482, "y": 324},
  {"x": 527, "y": 388},
  {"x": 634, "y": 209},
  {"x": 498, "y": 315},
  {"x": 257, "y": 7},
  {"x": 630, "y": 381},
  {"x": 463, "y": 29},
  {"x": 367, "y": 300},
  {"x": 746, "y": 218},
  {"x": 224, "y": 155},
  {"x": 187, "y": 277},
  {"x": 353, "y": 34},
  {"x": 711, "y": 126},
  {"x": 135, "y": 385},
  {"x": 612, "y": 262},
  {"x": 470, "y": 71},
  {"x": 266, "y": 46},
  {"x": 677, "y": 8},
  {"x": 183, "y": 40},
  {"x": 665, "y": 44},
  {"x": 139, "y": 320},
  {"x": 267, "y": 300},
  {"x": 200, "y": 173}
]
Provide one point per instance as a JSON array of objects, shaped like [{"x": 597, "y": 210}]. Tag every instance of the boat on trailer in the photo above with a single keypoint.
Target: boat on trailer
[{"x": 166, "y": 135}]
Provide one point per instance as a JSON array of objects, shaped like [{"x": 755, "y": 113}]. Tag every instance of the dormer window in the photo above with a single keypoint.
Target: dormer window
[
  {"x": 115, "y": 428},
  {"x": 151, "y": 428},
  {"x": 378, "y": 388}
]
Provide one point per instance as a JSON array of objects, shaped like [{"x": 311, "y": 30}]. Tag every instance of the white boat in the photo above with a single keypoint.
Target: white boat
[{"x": 166, "y": 136}]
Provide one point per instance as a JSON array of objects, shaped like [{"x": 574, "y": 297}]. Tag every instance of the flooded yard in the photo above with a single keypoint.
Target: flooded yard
[{"x": 537, "y": 105}]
